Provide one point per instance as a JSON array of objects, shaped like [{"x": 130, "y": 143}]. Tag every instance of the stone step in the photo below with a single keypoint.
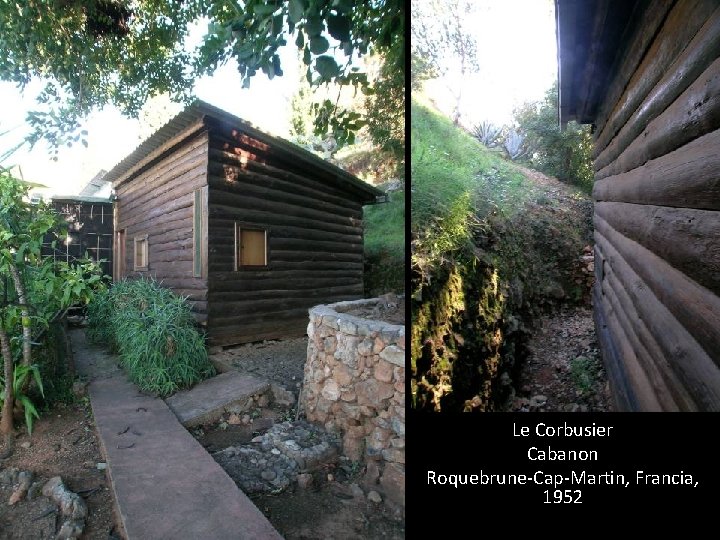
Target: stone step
[{"x": 206, "y": 402}]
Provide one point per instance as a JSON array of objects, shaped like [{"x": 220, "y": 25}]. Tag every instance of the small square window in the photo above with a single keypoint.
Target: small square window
[
  {"x": 251, "y": 247},
  {"x": 141, "y": 253}
]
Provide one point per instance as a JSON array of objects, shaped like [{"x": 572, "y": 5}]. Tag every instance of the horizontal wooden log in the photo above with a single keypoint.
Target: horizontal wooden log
[
  {"x": 692, "y": 365},
  {"x": 688, "y": 239},
  {"x": 137, "y": 215},
  {"x": 266, "y": 192},
  {"x": 687, "y": 67},
  {"x": 623, "y": 395},
  {"x": 693, "y": 114},
  {"x": 647, "y": 19},
  {"x": 197, "y": 129},
  {"x": 643, "y": 391},
  {"x": 688, "y": 177},
  {"x": 168, "y": 269},
  {"x": 231, "y": 176},
  {"x": 171, "y": 255},
  {"x": 287, "y": 255},
  {"x": 236, "y": 335},
  {"x": 681, "y": 25},
  {"x": 274, "y": 275},
  {"x": 249, "y": 308},
  {"x": 182, "y": 231},
  {"x": 694, "y": 306},
  {"x": 170, "y": 211},
  {"x": 240, "y": 202},
  {"x": 343, "y": 190},
  {"x": 218, "y": 298},
  {"x": 292, "y": 284},
  {"x": 670, "y": 390},
  {"x": 227, "y": 232},
  {"x": 292, "y": 157},
  {"x": 182, "y": 160},
  {"x": 299, "y": 244},
  {"x": 224, "y": 218},
  {"x": 316, "y": 266},
  {"x": 268, "y": 317}
]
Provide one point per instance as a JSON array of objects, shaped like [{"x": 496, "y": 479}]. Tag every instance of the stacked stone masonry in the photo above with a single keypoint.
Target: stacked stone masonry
[{"x": 354, "y": 384}]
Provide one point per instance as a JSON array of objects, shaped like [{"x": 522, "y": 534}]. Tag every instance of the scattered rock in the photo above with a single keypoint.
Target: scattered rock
[
  {"x": 357, "y": 491},
  {"x": 374, "y": 497},
  {"x": 304, "y": 480},
  {"x": 25, "y": 445},
  {"x": 282, "y": 397},
  {"x": 72, "y": 507},
  {"x": 24, "y": 480},
  {"x": 538, "y": 401},
  {"x": 234, "y": 419},
  {"x": 101, "y": 466}
]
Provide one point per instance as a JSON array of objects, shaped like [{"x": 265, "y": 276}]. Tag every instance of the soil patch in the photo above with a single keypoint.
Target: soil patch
[
  {"x": 390, "y": 308},
  {"x": 563, "y": 371},
  {"x": 63, "y": 444},
  {"x": 330, "y": 503}
]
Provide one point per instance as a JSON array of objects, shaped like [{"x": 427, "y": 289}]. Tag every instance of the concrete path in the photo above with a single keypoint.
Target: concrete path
[
  {"x": 166, "y": 485},
  {"x": 207, "y": 401}
]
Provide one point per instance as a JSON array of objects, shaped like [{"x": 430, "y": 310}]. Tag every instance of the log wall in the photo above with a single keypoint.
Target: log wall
[
  {"x": 157, "y": 201},
  {"x": 314, "y": 239},
  {"x": 657, "y": 215}
]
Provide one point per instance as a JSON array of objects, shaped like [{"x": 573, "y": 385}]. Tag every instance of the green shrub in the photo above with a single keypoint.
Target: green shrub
[
  {"x": 385, "y": 246},
  {"x": 154, "y": 332}
]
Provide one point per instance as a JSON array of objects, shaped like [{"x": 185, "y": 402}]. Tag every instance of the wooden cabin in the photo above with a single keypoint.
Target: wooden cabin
[
  {"x": 646, "y": 74},
  {"x": 252, "y": 229},
  {"x": 90, "y": 231}
]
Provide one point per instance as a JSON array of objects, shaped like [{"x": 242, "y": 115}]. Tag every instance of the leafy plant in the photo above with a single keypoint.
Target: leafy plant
[
  {"x": 584, "y": 372},
  {"x": 154, "y": 332},
  {"x": 21, "y": 377},
  {"x": 515, "y": 145},
  {"x": 487, "y": 133}
]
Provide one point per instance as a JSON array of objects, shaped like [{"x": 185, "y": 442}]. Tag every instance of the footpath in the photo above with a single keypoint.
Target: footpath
[{"x": 166, "y": 484}]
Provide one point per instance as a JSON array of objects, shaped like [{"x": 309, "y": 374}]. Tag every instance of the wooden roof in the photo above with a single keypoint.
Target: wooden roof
[
  {"x": 592, "y": 37},
  {"x": 192, "y": 120}
]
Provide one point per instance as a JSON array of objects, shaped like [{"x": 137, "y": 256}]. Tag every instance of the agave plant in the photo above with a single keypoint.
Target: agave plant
[
  {"x": 487, "y": 133},
  {"x": 514, "y": 145}
]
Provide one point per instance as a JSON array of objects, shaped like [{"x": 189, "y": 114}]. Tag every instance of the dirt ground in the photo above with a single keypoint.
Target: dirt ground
[
  {"x": 63, "y": 443},
  {"x": 332, "y": 506},
  {"x": 564, "y": 369}
]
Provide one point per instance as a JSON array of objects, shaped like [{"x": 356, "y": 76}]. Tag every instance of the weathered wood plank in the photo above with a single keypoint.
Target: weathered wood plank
[
  {"x": 230, "y": 176},
  {"x": 267, "y": 192},
  {"x": 669, "y": 388},
  {"x": 185, "y": 158},
  {"x": 623, "y": 395},
  {"x": 643, "y": 391},
  {"x": 687, "y": 239},
  {"x": 694, "y": 306},
  {"x": 225, "y": 233},
  {"x": 648, "y": 16},
  {"x": 688, "y": 177},
  {"x": 160, "y": 152},
  {"x": 239, "y": 202},
  {"x": 230, "y": 296},
  {"x": 694, "y": 368},
  {"x": 223, "y": 217},
  {"x": 694, "y": 60},
  {"x": 678, "y": 29},
  {"x": 693, "y": 114}
]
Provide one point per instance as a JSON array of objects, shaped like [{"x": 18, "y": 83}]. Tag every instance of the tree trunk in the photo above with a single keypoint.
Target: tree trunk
[
  {"x": 6, "y": 422},
  {"x": 25, "y": 314}
]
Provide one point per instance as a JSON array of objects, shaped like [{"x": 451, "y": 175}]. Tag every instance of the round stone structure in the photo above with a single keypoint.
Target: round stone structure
[{"x": 354, "y": 384}]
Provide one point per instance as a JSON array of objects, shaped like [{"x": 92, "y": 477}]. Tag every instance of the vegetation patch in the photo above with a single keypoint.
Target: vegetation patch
[
  {"x": 494, "y": 246},
  {"x": 153, "y": 331},
  {"x": 385, "y": 246}
]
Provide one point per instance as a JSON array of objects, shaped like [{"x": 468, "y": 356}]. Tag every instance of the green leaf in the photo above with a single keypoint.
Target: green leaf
[
  {"x": 319, "y": 45},
  {"x": 300, "y": 40},
  {"x": 314, "y": 26},
  {"x": 326, "y": 67},
  {"x": 306, "y": 56},
  {"x": 339, "y": 27},
  {"x": 265, "y": 9},
  {"x": 296, "y": 10}
]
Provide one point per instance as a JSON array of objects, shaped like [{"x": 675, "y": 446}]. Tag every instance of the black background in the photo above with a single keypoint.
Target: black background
[{"x": 470, "y": 443}]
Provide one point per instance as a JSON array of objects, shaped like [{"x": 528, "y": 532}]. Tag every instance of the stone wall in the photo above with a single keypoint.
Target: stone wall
[{"x": 355, "y": 385}]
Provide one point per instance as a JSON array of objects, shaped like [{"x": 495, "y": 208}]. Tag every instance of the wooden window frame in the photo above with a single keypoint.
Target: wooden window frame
[
  {"x": 146, "y": 253},
  {"x": 239, "y": 227}
]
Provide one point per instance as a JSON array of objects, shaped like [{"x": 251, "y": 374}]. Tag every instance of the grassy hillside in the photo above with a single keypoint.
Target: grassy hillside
[
  {"x": 493, "y": 246},
  {"x": 385, "y": 245}
]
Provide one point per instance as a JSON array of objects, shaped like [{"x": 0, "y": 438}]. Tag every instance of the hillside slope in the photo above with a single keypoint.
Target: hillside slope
[{"x": 494, "y": 246}]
